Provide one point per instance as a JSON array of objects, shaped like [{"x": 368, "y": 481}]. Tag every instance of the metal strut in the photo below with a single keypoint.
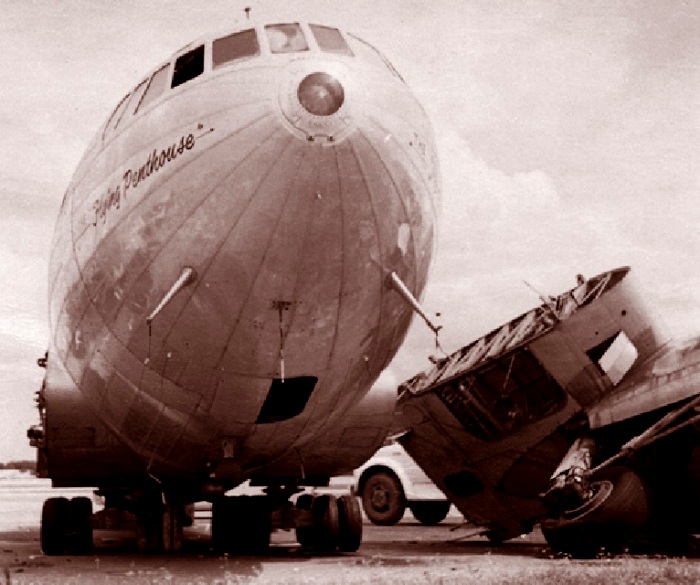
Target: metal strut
[{"x": 402, "y": 289}]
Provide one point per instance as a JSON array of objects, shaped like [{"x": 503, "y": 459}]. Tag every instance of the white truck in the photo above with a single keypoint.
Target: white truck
[{"x": 390, "y": 481}]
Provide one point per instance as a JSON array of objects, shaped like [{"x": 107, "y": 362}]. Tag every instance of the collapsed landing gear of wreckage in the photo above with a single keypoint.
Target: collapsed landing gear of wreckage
[
  {"x": 617, "y": 507},
  {"x": 326, "y": 523}
]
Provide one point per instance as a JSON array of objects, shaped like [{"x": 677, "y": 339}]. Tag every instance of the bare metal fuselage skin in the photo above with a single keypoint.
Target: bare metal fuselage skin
[{"x": 289, "y": 223}]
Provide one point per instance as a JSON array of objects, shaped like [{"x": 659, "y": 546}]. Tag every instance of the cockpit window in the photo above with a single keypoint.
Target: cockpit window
[
  {"x": 157, "y": 85},
  {"x": 135, "y": 99},
  {"x": 286, "y": 38},
  {"x": 236, "y": 46},
  {"x": 116, "y": 115},
  {"x": 330, "y": 40},
  {"x": 188, "y": 66}
]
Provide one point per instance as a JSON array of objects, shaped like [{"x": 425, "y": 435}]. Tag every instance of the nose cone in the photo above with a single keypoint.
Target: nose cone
[{"x": 321, "y": 94}]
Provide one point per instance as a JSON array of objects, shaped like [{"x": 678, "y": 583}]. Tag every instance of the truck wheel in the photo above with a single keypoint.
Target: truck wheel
[
  {"x": 383, "y": 499},
  {"x": 430, "y": 513}
]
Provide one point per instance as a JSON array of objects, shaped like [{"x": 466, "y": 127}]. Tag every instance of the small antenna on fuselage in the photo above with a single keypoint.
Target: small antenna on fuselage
[{"x": 247, "y": 10}]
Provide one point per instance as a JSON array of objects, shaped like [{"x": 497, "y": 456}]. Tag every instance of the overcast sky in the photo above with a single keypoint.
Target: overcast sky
[{"x": 568, "y": 133}]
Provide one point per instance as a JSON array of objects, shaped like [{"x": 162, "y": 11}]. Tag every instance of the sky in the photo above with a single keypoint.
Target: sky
[{"x": 568, "y": 134}]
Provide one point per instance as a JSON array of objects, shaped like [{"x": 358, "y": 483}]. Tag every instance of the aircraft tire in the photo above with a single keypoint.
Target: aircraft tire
[
  {"x": 173, "y": 518},
  {"x": 149, "y": 531},
  {"x": 618, "y": 508},
  {"x": 254, "y": 525},
  {"x": 241, "y": 524},
  {"x": 55, "y": 518},
  {"x": 349, "y": 524},
  {"x": 80, "y": 533},
  {"x": 383, "y": 498},
  {"x": 222, "y": 516},
  {"x": 326, "y": 522},
  {"x": 305, "y": 534},
  {"x": 430, "y": 513}
]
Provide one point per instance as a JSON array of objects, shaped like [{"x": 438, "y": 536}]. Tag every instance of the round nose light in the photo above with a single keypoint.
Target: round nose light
[{"x": 321, "y": 94}]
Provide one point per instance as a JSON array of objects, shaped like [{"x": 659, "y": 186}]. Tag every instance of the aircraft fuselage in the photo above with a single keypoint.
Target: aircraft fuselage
[{"x": 219, "y": 274}]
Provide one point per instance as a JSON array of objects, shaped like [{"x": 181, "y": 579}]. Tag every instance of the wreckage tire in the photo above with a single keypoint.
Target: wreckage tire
[{"x": 618, "y": 507}]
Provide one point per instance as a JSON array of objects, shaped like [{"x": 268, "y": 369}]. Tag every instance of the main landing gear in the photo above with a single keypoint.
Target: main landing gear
[
  {"x": 66, "y": 526},
  {"x": 240, "y": 524},
  {"x": 325, "y": 523},
  {"x": 328, "y": 523}
]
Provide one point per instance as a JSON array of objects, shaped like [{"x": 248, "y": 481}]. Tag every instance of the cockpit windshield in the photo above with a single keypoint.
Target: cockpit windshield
[
  {"x": 234, "y": 47},
  {"x": 281, "y": 38},
  {"x": 156, "y": 86},
  {"x": 286, "y": 38},
  {"x": 330, "y": 40}
]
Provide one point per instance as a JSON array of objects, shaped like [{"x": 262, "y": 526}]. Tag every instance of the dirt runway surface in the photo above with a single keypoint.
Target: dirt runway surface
[{"x": 408, "y": 552}]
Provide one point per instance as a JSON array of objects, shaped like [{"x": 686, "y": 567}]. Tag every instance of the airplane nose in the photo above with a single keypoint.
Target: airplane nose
[{"x": 321, "y": 94}]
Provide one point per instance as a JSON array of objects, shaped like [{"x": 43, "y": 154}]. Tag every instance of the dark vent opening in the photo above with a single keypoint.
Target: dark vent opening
[{"x": 286, "y": 399}]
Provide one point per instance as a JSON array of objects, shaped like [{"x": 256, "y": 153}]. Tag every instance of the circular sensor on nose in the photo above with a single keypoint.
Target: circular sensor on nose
[{"x": 321, "y": 94}]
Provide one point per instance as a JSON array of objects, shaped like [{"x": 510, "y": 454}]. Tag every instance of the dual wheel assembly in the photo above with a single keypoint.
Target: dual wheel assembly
[
  {"x": 66, "y": 527},
  {"x": 326, "y": 523},
  {"x": 329, "y": 523}
]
